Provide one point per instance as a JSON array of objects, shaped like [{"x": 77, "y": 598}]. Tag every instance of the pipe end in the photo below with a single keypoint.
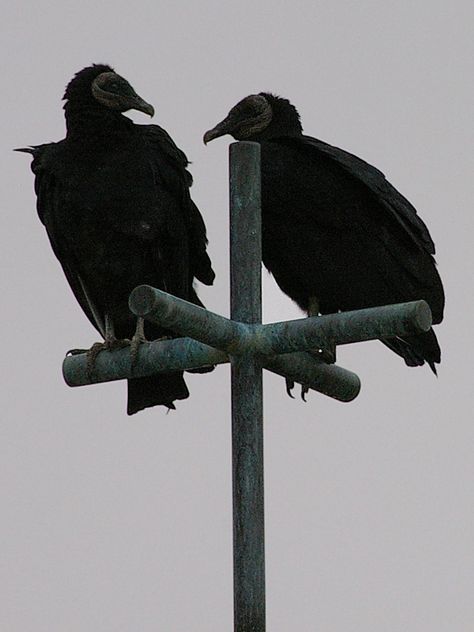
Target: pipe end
[
  {"x": 141, "y": 300},
  {"x": 422, "y": 316}
]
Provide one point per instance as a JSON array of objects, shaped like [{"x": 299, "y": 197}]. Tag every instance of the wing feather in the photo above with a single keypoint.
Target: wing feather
[
  {"x": 48, "y": 198},
  {"x": 393, "y": 202}
]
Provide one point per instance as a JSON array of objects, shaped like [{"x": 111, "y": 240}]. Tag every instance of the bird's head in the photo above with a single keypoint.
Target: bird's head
[
  {"x": 257, "y": 117},
  {"x": 99, "y": 84}
]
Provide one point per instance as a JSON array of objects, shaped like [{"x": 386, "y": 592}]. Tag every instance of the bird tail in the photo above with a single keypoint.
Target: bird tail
[
  {"x": 155, "y": 390},
  {"x": 416, "y": 350}
]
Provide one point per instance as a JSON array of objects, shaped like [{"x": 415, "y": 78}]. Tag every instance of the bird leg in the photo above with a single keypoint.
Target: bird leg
[
  {"x": 138, "y": 338},
  {"x": 111, "y": 343},
  {"x": 313, "y": 310},
  {"x": 313, "y": 306},
  {"x": 328, "y": 354}
]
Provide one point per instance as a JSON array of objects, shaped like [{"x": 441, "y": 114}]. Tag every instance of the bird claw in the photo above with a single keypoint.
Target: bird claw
[
  {"x": 108, "y": 345},
  {"x": 290, "y": 385},
  {"x": 73, "y": 352},
  {"x": 304, "y": 392},
  {"x": 326, "y": 355}
]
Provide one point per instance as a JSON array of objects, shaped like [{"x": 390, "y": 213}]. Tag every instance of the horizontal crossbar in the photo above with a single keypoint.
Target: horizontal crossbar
[
  {"x": 303, "y": 334},
  {"x": 163, "y": 356}
]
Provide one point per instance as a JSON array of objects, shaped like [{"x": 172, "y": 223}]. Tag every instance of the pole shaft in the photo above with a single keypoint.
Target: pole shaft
[
  {"x": 247, "y": 396},
  {"x": 245, "y": 233}
]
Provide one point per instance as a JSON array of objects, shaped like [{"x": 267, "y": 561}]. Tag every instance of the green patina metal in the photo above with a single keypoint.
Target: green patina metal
[
  {"x": 160, "y": 356},
  {"x": 303, "y": 334}
]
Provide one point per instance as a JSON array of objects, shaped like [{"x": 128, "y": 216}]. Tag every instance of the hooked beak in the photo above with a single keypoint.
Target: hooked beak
[
  {"x": 137, "y": 103},
  {"x": 221, "y": 129}
]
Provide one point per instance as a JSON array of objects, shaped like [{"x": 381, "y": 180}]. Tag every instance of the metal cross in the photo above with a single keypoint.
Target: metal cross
[{"x": 249, "y": 346}]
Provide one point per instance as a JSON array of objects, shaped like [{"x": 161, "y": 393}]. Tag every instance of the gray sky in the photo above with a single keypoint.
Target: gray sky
[{"x": 111, "y": 523}]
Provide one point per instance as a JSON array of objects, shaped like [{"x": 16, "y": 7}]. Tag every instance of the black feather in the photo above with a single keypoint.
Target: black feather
[
  {"x": 335, "y": 229},
  {"x": 114, "y": 199}
]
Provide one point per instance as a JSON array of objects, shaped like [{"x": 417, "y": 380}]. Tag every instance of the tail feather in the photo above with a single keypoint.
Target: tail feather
[
  {"x": 416, "y": 350},
  {"x": 155, "y": 390}
]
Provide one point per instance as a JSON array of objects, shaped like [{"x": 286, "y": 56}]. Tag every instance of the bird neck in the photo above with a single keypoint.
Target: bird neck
[
  {"x": 285, "y": 119},
  {"x": 278, "y": 131},
  {"x": 83, "y": 119}
]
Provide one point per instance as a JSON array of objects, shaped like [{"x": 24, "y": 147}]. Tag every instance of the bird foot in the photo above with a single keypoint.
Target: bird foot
[
  {"x": 109, "y": 344},
  {"x": 290, "y": 385},
  {"x": 328, "y": 355},
  {"x": 138, "y": 339}
]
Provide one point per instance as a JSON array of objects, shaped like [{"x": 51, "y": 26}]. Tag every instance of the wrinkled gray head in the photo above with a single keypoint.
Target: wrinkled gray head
[
  {"x": 256, "y": 117},
  {"x": 100, "y": 84}
]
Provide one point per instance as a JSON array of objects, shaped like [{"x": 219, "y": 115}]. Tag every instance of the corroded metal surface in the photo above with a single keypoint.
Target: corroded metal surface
[
  {"x": 328, "y": 379},
  {"x": 302, "y": 334},
  {"x": 247, "y": 395},
  {"x": 163, "y": 356},
  {"x": 155, "y": 357},
  {"x": 186, "y": 318}
]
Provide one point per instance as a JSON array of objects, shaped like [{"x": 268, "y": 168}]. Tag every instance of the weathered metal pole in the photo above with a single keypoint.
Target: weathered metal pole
[{"x": 247, "y": 396}]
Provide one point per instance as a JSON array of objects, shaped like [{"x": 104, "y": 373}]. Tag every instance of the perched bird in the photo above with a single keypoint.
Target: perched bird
[
  {"x": 114, "y": 199},
  {"x": 336, "y": 235}
]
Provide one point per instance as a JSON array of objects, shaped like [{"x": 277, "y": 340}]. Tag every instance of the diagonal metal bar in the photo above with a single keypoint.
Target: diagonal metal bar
[
  {"x": 328, "y": 379},
  {"x": 293, "y": 335},
  {"x": 187, "y": 319}
]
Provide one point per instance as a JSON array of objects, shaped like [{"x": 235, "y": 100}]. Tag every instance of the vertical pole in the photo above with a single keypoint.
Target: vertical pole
[{"x": 247, "y": 407}]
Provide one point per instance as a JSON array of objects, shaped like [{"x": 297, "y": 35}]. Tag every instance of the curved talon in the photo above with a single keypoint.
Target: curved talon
[
  {"x": 290, "y": 385},
  {"x": 73, "y": 352}
]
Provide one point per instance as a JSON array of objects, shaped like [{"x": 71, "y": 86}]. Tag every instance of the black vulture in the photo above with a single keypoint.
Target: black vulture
[
  {"x": 336, "y": 234},
  {"x": 114, "y": 199}
]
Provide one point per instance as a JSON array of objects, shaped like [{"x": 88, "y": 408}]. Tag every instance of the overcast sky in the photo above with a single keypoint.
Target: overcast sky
[{"x": 111, "y": 523}]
